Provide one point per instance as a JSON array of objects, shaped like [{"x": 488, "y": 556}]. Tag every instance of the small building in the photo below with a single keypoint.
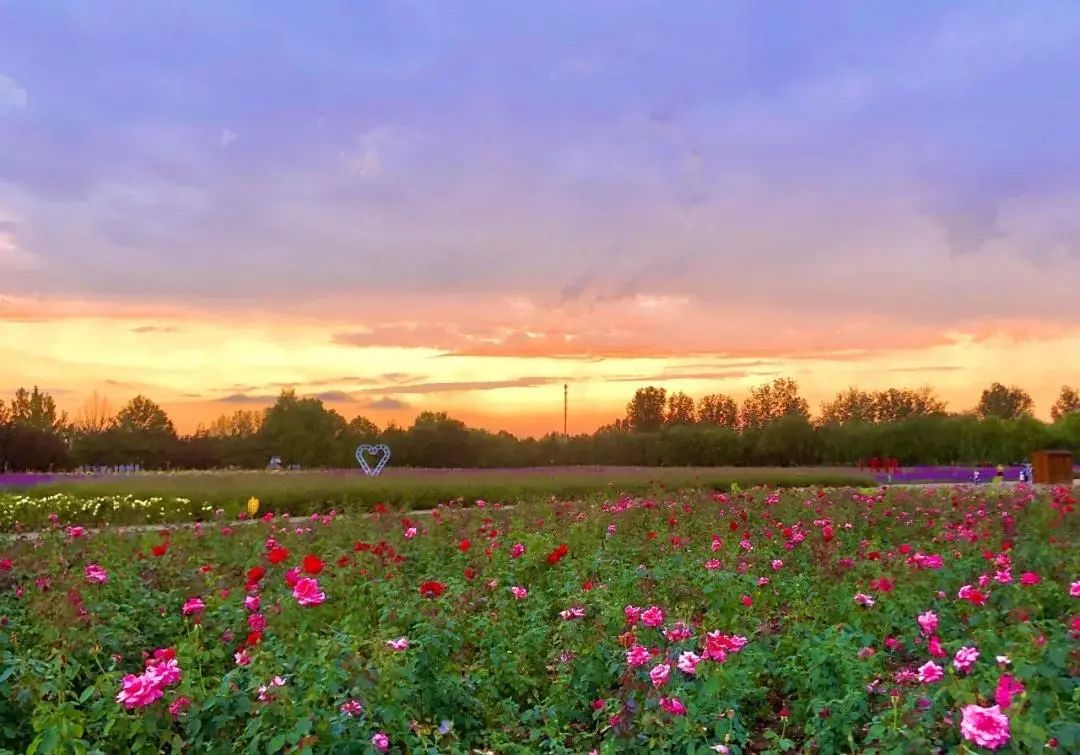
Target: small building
[{"x": 1054, "y": 467}]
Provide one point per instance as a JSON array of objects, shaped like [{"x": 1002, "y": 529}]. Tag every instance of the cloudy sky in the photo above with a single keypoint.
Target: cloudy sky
[{"x": 405, "y": 205}]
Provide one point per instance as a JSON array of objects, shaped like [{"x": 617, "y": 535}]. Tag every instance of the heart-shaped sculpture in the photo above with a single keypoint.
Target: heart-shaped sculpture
[{"x": 382, "y": 454}]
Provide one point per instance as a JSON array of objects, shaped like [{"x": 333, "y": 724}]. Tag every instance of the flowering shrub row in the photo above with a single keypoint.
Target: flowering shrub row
[{"x": 820, "y": 620}]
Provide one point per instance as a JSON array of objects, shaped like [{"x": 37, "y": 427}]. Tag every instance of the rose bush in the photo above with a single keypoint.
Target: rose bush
[{"x": 817, "y": 620}]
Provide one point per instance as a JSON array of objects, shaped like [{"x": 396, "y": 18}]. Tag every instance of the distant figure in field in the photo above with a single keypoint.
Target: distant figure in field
[
  {"x": 999, "y": 474},
  {"x": 1026, "y": 472},
  {"x": 975, "y": 477}
]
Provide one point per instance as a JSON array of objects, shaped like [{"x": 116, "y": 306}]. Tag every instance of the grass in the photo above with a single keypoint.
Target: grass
[{"x": 305, "y": 492}]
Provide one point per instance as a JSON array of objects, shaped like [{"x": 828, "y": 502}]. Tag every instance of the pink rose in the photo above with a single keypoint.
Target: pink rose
[
  {"x": 637, "y": 655},
  {"x": 307, "y": 593},
  {"x": 659, "y": 674},
  {"x": 930, "y": 672},
  {"x": 986, "y": 727},
  {"x": 1007, "y": 689},
  {"x": 139, "y": 691},
  {"x": 652, "y": 617},
  {"x": 965, "y": 658}
]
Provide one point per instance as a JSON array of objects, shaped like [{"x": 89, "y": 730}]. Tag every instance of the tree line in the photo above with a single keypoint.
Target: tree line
[{"x": 771, "y": 426}]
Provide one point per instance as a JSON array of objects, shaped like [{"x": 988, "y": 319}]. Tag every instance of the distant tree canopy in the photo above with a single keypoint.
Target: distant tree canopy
[
  {"x": 141, "y": 415},
  {"x": 302, "y": 431},
  {"x": 680, "y": 410},
  {"x": 1004, "y": 403},
  {"x": 892, "y": 405},
  {"x": 770, "y": 402},
  {"x": 1068, "y": 403},
  {"x": 37, "y": 410},
  {"x": 771, "y": 426},
  {"x": 645, "y": 412},
  {"x": 718, "y": 409}
]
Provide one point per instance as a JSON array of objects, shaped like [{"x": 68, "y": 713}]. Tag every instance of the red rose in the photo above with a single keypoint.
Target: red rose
[
  {"x": 312, "y": 564},
  {"x": 557, "y": 555},
  {"x": 464, "y": 545},
  {"x": 255, "y": 573},
  {"x": 159, "y": 550},
  {"x": 277, "y": 555},
  {"x": 432, "y": 589}
]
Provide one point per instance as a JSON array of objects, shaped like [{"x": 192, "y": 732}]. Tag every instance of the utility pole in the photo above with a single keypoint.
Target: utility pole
[{"x": 565, "y": 404}]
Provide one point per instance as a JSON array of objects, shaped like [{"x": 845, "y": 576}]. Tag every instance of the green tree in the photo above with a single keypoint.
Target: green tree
[
  {"x": 37, "y": 409},
  {"x": 680, "y": 409},
  {"x": 788, "y": 440},
  {"x": 363, "y": 427},
  {"x": 770, "y": 402},
  {"x": 141, "y": 415},
  {"x": 851, "y": 405},
  {"x": 242, "y": 423},
  {"x": 141, "y": 433},
  {"x": 302, "y": 431},
  {"x": 1004, "y": 403},
  {"x": 645, "y": 412},
  {"x": 1068, "y": 402},
  {"x": 895, "y": 404},
  {"x": 434, "y": 440},
  {"x": 718, "y": 409}
]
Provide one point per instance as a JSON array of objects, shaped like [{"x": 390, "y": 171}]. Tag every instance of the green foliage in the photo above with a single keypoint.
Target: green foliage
[
  {"x": 302, "y": 431},
  {"x": 1068, "y": 402},
  {"x": 141, "y": 415},
  {"x": 771, "y": 402},
  {"x": 1004, "y": 403},
  {"x": 645, "y": 412},
  {"x": 37, "y": 409}
]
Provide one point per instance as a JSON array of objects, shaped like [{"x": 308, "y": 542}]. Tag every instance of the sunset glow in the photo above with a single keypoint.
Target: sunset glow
[{"x": 403, "y": 208}]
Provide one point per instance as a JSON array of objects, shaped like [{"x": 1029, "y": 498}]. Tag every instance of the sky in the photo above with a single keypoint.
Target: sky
[{"x": 404, "y": 205}]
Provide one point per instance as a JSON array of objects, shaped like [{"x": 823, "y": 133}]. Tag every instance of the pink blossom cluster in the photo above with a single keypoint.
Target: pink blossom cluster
[
  {"x": 95, "y": 575},
  {"x": 986, "y": 727},
  {"x": 161, "y": 671}
]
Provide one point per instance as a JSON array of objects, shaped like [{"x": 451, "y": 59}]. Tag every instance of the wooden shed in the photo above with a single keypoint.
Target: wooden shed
[{"x": 1052, "y": 467}]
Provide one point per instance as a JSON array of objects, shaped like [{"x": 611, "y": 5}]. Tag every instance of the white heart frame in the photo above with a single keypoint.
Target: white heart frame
[{"x": 381, "y": 448}]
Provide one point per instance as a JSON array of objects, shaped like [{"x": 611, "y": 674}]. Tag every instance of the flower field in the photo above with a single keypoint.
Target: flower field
[{"x": 809, "y": 620}]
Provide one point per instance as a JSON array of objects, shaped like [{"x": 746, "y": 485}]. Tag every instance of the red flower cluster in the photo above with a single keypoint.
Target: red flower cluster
[
  {"x": 277, "y": 555},
  {"x": 557, "y": 555},
  {"x": 254, "y": 574},
  {"x": 312, "y": 564},
  {"x": 432, "y": 589}
]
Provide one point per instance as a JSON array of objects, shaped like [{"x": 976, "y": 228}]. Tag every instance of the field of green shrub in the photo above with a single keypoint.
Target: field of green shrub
[{"x": 186, "y": 496}]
